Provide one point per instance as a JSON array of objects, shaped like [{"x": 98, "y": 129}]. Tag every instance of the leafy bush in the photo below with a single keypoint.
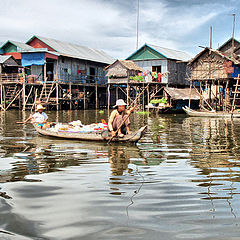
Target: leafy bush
[
  {"x": 137, "y": 78},
  {"x": 156, "y": 101}
]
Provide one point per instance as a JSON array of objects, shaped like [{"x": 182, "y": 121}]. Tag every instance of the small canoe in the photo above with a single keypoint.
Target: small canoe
[
  {"x": 93, "y": 136},
  {"x": 213, "y": 114}
]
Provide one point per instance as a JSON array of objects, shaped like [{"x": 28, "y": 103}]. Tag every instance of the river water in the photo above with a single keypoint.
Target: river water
[{"x": 180, "y": 182}]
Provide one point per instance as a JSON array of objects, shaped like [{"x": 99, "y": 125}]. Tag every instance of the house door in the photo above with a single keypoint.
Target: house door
[
  {"x": 49, "y": 68},
  {"x": 92, "y": 72}
]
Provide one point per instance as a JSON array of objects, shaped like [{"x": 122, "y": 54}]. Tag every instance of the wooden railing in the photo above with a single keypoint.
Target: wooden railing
[
  {"x": 10, "y": 77},
  {"x": 92, "y": 80}
]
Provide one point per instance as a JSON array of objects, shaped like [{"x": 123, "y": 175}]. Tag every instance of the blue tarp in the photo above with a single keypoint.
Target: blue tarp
[
  {"x": 29, "y": 59},
  {"x": 236, "y": 71}
]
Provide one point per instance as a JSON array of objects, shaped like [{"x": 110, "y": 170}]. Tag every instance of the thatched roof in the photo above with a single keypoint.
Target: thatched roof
[
  {"x": 116, "y": 72},
  {"x": 235, "y": 61},
  {"x": 120, "y": 67},
  {"x": 131, "y": 65}
]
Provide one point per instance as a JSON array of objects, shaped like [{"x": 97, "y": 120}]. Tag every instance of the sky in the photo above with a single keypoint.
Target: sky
[{"x": 110, "y": 25}]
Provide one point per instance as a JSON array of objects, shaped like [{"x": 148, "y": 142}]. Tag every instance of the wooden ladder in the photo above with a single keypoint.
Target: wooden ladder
[
  {"x": 46, "y": 92},
  {"x": 10, "y": 93},
  {"x": 236, "y": 95}
]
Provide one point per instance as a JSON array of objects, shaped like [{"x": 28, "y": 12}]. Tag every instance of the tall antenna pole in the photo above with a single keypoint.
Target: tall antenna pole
[
  {"x": 210, "y": 38},
  {"x": 234, "y": 15},
  {"x": 137, "y": 22}
]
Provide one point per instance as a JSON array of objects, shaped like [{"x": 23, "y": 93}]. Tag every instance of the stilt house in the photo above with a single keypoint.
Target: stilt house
[
  {"x": 172, "y": 64},
  {"x": 56, "y": 73},
  {"x": 215, "y": 75}
]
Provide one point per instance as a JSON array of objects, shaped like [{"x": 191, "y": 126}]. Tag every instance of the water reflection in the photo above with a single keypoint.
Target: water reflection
[
  {"x": 119, "y": 158},
  {"x": 180, "y": 181}
]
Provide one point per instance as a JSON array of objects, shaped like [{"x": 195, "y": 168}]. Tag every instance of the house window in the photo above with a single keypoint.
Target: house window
[{"x": 157, "y": 69}]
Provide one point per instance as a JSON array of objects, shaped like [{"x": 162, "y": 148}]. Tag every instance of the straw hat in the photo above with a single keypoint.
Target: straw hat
[
  {"x": 120, "y": 102},
  {"x": 40, "y": 106}
]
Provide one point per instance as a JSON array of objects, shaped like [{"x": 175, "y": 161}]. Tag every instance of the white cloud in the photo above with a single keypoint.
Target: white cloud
[{"x": 103, "y": 24}]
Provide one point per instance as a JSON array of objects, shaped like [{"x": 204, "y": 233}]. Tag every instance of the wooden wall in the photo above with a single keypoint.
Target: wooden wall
[
  {"x": 148, "y": 64},
  {"x": 177, "y": 73},
  {"x": 68, "y": 68}
]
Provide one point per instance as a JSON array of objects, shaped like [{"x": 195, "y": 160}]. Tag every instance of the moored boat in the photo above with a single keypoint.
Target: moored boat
[
  {"x": 92, "y": 136},
  {"x": 213, "y": 114}
]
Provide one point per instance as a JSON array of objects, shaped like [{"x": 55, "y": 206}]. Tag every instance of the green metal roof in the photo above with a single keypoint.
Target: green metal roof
[
  {"x": 152, "y": 52},
  {"x": 14, "y": 46},
  {"x": 146, "y": 53}
]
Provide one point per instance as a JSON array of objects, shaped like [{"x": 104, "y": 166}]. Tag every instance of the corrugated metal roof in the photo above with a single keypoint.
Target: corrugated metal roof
[
  {"x": 182, "y": 93},
  {"x": 4, "y": 58},
  {"x": 171, "y": 53},
  {"x": 37, "y": 50},
  {"x": 76, "y": 51},
  {"x": 22, "y": 46}
]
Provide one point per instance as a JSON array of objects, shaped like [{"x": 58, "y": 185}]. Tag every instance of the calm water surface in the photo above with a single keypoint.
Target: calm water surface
[{"x": 180, "y": 182}]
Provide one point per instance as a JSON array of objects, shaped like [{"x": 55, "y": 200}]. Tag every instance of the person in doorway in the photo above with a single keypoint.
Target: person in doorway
[
  {"x": 117, "y": 117},
  {"x": 49, "y": 75},
  {"x": 39, "y": 118}
]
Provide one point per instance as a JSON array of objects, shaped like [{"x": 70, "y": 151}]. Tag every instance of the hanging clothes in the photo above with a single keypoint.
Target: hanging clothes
[{"x": 159, "y": 77}]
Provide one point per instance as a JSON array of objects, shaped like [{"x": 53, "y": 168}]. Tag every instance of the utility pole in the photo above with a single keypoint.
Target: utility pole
[
  {"x": 210, "y": 37},
  {"x": 137, "y": 22},
  {"x": 234, "y": 16}
]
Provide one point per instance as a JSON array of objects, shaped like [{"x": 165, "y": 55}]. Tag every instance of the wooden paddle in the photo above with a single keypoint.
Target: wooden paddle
[
  {"x": 20, "y": 122},
  {"x": 128, "y": 115}
]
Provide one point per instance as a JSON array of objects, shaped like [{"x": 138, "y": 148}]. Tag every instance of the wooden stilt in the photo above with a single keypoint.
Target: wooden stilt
[
  {"x": 200, "y": 93},
  {"x": 108, "y": 90},
  {"x": 143, "y": 103},
  {"x": 116, "y": 93},
  {"x": 190, "y": 95},
  {"x": 70, "y": 92},
  {"x": 57, "y": 95},
  {"x": 1, "y": 95},
  {"x": 96, "y": 93},
  {"x": 84, "y": 97},
  {"x": 127, "y": 94},
  {"x": 148, "y": 97},
  {"x": 4, "y": 97},
  {"x": 45, "y": 72}
]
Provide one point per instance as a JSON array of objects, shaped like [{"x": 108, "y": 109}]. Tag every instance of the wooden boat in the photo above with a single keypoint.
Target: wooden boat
[
  {"x": 92, "y": 136},
  {"x": 214, "y": 114}
]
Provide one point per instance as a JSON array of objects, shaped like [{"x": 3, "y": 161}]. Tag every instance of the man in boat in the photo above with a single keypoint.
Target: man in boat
[
  {"x": 39, "y": 118},
  {"x": 117, "y": 117}
]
